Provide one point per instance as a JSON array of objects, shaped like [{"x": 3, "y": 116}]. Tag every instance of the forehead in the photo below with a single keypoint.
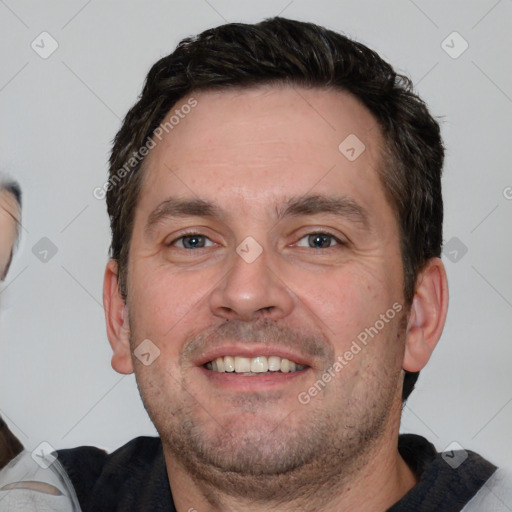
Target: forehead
[{"x": 274, "y": 140}]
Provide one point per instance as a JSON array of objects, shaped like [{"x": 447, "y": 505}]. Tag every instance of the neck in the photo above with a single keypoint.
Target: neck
[{"x": 373, "y": 484}]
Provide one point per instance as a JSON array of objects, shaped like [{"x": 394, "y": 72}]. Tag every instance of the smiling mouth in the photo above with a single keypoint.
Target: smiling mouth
[{"x": 253, "y": 366}]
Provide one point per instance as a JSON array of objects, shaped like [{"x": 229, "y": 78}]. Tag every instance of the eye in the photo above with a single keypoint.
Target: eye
[
  {"x": 192, "y": 241},
  {"x": 319, "y": 241}
]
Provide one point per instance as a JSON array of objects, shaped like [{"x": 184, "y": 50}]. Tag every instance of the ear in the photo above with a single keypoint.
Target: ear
[
  {"x": 427, "y": 315},
  {"x": 116, "y": 317}
]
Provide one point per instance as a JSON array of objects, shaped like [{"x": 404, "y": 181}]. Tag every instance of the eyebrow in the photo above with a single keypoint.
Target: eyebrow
[
  {"x": 342, "y": 207},
  {"x": 174, "y": 207}
]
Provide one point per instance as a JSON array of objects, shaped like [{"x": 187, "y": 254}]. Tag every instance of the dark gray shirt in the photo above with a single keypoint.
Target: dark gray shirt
[{"x": 134, "y": 477}]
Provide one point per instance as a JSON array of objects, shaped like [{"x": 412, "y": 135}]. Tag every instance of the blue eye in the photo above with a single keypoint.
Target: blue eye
[
  {"x": 319, "y": 241},
  {"x": 192, "y": 241}
]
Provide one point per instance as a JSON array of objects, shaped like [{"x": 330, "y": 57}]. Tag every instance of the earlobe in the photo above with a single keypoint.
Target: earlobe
[
  {"x": 116, "y": 318},
  {"x": 427, "y": 316}
]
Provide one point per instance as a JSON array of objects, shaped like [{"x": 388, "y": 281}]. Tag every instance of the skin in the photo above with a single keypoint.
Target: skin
[
  {"x": 247, "y": 443},
  {"x": 9, "y": 219}
]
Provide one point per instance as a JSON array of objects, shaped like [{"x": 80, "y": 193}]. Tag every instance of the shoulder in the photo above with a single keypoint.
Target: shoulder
[
  {"x": 90, "y": 468},
  {"x": 90, "y": 460},
  {"x": 446, "y": 481},
  {"x": 495, "y": 495}
]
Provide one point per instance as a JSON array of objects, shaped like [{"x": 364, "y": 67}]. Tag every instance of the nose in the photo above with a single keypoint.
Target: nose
[{"x": 251, "y": 290}]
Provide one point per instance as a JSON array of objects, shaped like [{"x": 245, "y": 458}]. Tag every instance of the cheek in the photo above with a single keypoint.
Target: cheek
[
  {"x": 346, "y": 300},
  {"x": 158, "y": 385},
  {"x": 347, "y": 304},
  {"x": 161, "y": 301}
]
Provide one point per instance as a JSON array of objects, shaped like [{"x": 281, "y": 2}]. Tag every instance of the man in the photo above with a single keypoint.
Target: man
[
  {"x": 275, "y": 283},
  {"x": 10, "y": 216}
]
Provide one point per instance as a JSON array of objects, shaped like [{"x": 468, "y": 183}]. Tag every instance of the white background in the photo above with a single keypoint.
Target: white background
[{"x": 58, "y": 116}]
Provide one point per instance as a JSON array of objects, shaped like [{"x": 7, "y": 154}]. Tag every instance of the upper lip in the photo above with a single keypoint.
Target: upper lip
[{"x": 250, "y": 351}]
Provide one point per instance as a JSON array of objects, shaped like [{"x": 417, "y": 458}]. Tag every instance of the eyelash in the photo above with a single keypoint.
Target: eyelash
[
  {"x": 187, "y": 235},
  {"x": 324, "y": 233},
  {"x": 339, "y": 242}
]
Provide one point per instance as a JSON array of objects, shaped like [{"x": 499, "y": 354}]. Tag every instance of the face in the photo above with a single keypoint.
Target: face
[
  {"x": 9, "y": 217},
  {"x": 257, "y": 241}
]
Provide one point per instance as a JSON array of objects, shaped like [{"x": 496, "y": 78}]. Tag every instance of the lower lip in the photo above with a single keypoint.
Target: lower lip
[{"x": 239, "y": 382}]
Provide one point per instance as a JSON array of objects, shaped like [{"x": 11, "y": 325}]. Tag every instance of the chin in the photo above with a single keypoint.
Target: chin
[{"x": 242, "y": 444}]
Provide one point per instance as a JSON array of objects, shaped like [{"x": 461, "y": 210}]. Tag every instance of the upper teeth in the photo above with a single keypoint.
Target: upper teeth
[{"x": 258, "y": 364}]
